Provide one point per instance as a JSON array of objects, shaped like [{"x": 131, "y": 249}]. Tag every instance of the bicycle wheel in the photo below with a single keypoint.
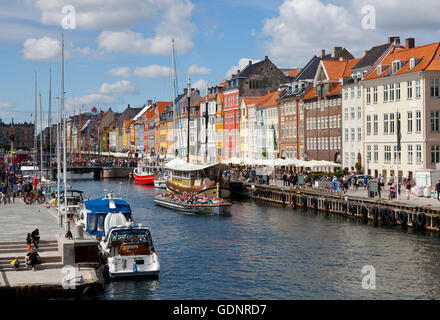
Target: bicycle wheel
[
  {"x": 28, "y": 199},
  {"x": 41, "y": 198}
]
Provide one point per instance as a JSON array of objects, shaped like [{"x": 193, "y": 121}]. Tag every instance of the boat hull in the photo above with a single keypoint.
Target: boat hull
[
  {"x": 145, "y": 179},
  {"x": 160, "y": 184},
  {"x": 203, "y": 209},
  {"x": 209, "y": 190},
  {"x": 122, "y": 266}
]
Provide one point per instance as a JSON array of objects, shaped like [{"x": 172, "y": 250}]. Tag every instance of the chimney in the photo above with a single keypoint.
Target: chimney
[
  {"x": 250, "y": 62},
  {"x": 394, "y": 39},
  {"x": 410, "y": 43},
  {"x": 336, "y": 52},
  {"x": 365, "y": 53},
  {"x": 128, "y": 106},
  {"x": 149, "y": 102},
  {"x": 322, "y": 53}
]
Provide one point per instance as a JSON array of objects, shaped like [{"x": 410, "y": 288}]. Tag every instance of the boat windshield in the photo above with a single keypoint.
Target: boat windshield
[{"x": 131, "y": 235}]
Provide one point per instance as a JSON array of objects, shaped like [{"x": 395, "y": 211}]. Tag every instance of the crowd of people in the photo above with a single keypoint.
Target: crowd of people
[
  {"x": 104, "y": 162},
  {"x": 191, "y": 198}
]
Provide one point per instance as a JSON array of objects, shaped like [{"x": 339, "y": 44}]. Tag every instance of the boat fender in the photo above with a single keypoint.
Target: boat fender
[
  {"x": 375, "y": 213},
  {"x": 315, "y": 203},
  {"x": 391, "y": 217},
  {"x": 403, "y": 217},
  {"x": 421, "y": 219},
  {"x": 382, "y": 214},
  {"x": 326, "y": 206},
  {"x": 364, "y": 212},
  {"x": 415, "y": 225},
  {"x": 352, "y": 209},
  {"x": 344, "y": 206}
]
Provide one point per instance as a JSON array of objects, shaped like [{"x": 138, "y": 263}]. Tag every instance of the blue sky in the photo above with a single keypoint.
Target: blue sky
[{"x": 119, "y": 52}]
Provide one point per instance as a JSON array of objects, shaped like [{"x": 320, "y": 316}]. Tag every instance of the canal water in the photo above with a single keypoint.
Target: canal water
[{"x": 263, "y": 251}]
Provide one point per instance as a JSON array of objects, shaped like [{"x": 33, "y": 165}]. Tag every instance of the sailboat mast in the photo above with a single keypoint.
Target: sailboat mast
[
  {"x": 58, "y": 157},
  {"x": 189, "y": 117},
  {"x": 49, "y": 123},
  {"x": 64, "y": 136},
  {"x": 173, "y": 76},
  {"x": 41, "y": 140},
  {"x": 35, "y": 128}
]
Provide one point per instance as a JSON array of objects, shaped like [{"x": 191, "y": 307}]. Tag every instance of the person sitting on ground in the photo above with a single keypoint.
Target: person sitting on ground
[
  {"x": 35, "y": 237},
  {"x": 15, "y": 263},
  {"x": 33, "y": 258}
]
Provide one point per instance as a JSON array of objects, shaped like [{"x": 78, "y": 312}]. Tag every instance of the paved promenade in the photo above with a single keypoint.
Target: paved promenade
[{"x": 17, "y": 219}]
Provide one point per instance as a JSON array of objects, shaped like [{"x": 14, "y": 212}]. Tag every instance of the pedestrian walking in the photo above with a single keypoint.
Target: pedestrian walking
[
  {"x": 437, "y": 189},
  {"x": 35, "y": 235}
]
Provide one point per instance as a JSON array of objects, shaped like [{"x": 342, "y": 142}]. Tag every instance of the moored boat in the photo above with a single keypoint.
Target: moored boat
[
  {"x": 144, "y": 175},
  {"x": 187, "y": 177},
  {"x": 205, "y": 204}
]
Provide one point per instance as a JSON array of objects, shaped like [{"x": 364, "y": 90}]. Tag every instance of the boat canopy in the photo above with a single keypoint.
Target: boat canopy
[
  {"x": 103, "y": 205},
  {"x": 181, "y": 165}
]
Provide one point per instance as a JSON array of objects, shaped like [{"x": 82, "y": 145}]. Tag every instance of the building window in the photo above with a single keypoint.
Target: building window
[
  {"x": 368, "y": 153},
  {"x": 387, "y": 155},
  {"x": 359, "y": 90},
  {"x": 346, "y": 114},
  {"x": 351, "y": 93},
  {"x": 409, "y": 89},
  {"x": 385, "y": 123},
  {"x": 434, "y": 87},
  {"x": 368, "y": 95},
  {"x": 374, "y": 94},
  {"x": 353, "y": 113},
  {"x": 410, "y": 122},
  {"x": 435, "y": 121},
  {"x": 392, "y": 123},
  {"x": 346, "y": 94},
  {"x": 368, "y": 125},
  {"x": 346, "y": 134},
  {"x": 385, "y": 93},
  {"x": 418, "y": 121},
  {"x": 353, "y": 135},
  {"x": 376, "y": 153},
  {"x": 359, "y": 112},
  {"x": 392, "y": 92},
  {"x": 410, "y": 154},
  {"x": 359, "y": 133},
  {"x": 435, "y": 154},
  {"x": 418, "y": 89},
  {"x": 397, "y": 155},
  {"x": 419, "y": 153},
  {"x": 375, "y": 124},
  {"x": 398, "y": 91}
]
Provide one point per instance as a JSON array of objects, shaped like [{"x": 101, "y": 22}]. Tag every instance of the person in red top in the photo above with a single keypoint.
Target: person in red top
[{"x": 35, "y": 182}]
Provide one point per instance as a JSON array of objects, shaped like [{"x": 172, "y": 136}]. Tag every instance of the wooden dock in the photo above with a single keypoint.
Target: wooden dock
[{"x": 411, "y": 214}]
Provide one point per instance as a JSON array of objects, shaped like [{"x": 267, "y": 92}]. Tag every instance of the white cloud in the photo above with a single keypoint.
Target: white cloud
[
  {"x": 242, "y": 63},
  {"x": 153, "y": 71},
  {"x": 123, "y": 72},
  {"x": 327, "y": 25},
  {"x": 123, "y": 86},
  {"x": 195, "y": 69},
  {"x": 201, "y": 85},
  {"x": 43, "y": 49},
  {"x": 89, "y": 100},
  {"x": 7, "y": 105}
]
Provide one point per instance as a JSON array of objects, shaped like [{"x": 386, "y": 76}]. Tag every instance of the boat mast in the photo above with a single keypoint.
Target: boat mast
[
  {"x": 35, "y": 129},
  {"x": 189, "y": 114},
  {"x": 173, "y": 76},
  {"x": 66, "y": 227},
  {"x": 41, "y": 140},
  {"x": 49, "y": 120},
  {"x": 58, "y": 157}
]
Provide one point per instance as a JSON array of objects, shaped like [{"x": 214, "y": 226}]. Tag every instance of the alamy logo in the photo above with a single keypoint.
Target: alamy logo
[
  {"x": 369, "y": 17},
  {"x": 69, "y": 17},
  {"x": 369, "y": 280},
  {"x": 70, "y": 278}
]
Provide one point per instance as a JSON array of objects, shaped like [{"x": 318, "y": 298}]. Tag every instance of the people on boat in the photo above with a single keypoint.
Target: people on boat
[{"x": 191, "y": 198}]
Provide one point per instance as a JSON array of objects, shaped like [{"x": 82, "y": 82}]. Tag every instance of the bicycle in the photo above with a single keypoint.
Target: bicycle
[{"x": 33, "y": 196}]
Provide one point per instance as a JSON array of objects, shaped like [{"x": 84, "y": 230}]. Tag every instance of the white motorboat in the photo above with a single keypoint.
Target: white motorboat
[
  {"x": 128, "y": 251},
  {"x": 220, "y": 207}
]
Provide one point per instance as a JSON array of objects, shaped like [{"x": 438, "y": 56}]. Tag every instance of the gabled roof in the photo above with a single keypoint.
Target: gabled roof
[
  {"x": 425, "y": 57},
  {"x": 268, "y": 100},
  {"x": 349, "y": 67},
  {"x": 161, "y": 105},
  {"x": 248, "y": 101},
  {"x": 334, "y": 69},
  {"x": 371, "y": 57},
  {"x": 290, "y": 72}
]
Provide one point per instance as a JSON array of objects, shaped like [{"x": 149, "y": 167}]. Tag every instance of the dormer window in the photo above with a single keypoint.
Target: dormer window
[
  {"x": 396, "y": 66},
  {"x": 412, "y": 63},
  {"x": 379, "y": 69}
]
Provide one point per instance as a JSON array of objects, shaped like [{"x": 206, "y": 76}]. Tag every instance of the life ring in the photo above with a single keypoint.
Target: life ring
[
  {"x": 421, "y": 219},
  {"x": 375, "y": 213},
  {"x": 403, "y": 217}
]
